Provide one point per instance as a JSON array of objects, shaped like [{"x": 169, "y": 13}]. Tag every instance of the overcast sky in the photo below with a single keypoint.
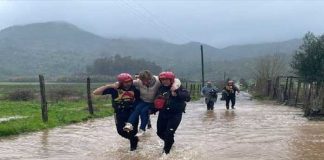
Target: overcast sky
[{"x": 217, "y": 23}]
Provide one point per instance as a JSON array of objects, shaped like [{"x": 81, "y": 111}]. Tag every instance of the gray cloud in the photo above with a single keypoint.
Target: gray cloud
[{"x": 218, "y": 23}]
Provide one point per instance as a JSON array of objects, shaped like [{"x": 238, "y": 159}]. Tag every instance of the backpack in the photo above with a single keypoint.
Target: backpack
[
  {"x": 224, "y": 95},
  {"x": 185, "y": 94},
  {"x": 160, "y": 101},
  {"x": 213, "y": 93}
]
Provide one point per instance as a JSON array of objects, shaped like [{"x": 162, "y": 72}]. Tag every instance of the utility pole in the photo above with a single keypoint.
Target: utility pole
[
  {"x": 202, "y": 65},
  {"x": 224, "y": 77}
]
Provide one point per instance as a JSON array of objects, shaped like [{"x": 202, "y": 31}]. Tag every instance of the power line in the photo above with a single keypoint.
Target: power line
[
  {"x": 147, "y": 18},
  {"x": 162, "y": 24}
]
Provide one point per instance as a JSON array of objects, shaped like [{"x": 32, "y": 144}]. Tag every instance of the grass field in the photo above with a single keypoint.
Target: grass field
[
  {"x": 59, "y": 114},
  {"x": 25, "y": 116}
]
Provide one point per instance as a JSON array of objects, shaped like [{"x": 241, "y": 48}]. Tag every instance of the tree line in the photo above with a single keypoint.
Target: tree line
[
  {"x": 308, "y": 61},
  {"x": 112, "y": 66}
]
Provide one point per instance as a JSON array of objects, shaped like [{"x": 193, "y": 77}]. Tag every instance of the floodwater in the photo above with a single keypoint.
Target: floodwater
[
  {"x": 4, "y": 119},
  {"x": 254, "y": 130}
]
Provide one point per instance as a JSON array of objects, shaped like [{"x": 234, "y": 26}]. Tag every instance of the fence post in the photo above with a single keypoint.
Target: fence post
[
  {"x": 198, "y": 89},
  {"x": 89, "y": 97},
  {"x": 305, "y": 90},
  {"x": 297, "y": 94},
  {"x": 307, "y": 106},
  {"x": 286, "y": 88},
  {"x": 43, "y": 99},
  {"x": 269, "y": 87},
  {"x": 318, "y": 87},
  {"x": 290, "y": 87},
  {"x": 275, "y": 88}
]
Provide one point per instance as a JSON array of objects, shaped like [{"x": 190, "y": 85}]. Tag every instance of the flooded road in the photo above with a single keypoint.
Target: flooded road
[{"x": 253, "y": 131}]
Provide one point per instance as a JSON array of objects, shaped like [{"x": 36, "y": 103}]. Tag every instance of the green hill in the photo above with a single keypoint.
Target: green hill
[{"x": 62, "y": 49}]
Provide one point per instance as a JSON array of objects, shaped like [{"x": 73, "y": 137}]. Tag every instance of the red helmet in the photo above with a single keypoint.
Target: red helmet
[
  {"x": 167, "y": 75},
  {"x": 124, "y": 77}
]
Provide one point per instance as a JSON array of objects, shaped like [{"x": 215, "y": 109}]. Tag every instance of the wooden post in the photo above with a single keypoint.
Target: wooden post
[
  {"x": 197, "y": 88},
  {"x": 286, "y": 88},
  {"x": 43, "y": 99},
  {"x": 89, "y": 97},
  {"x": 297, "y": 94},
  {"x": 269, "y": 87},
  {"x": 276, "y": 88},
  {"x": 318, "y": 87},
  {"x": 307, "y": 106},
  {"x": 305, "y": 90},
  {"x": 290, "y": 87},
  {"x": 224, "y": 78}
]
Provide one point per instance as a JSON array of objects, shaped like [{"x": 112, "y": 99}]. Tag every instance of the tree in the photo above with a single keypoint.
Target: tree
[
  {"x": 308, "y": 61},
  {"x": 117, "y": 64},
  {"x": 268, "y": 68}
]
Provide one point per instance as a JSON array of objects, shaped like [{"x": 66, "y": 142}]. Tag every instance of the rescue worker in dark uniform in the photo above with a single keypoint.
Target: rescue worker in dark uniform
[
  {"x": 230, "y": 90},
  {"x": 124, "y": 98},
  {"x": 171, "y": 105}
]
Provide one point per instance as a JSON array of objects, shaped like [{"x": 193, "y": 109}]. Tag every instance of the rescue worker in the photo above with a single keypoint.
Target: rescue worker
[
  {"x": 148, "y": 86},
  {"x": 171, "y": 105},
  {"x": 124, "y": 98}
]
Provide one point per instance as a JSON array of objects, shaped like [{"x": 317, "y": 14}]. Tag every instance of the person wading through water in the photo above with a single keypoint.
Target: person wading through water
[
  {"x": 124, "y": 99},
  {"x": 148, "y": 85},
  {"x": 170, "y": 104},
  {"x": 210, "y": 94},
  {"x": 230, "y": 90}
]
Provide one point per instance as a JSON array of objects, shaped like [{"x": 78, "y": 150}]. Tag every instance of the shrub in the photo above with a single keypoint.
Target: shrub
[
  {"x": 63, "y": 93},
  {"x": 21, "y": 95}
]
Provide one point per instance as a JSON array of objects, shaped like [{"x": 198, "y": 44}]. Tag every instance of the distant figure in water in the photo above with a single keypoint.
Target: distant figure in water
[
  {"x": 230, "y": 90},
  {"x": 210, "y": 94}
]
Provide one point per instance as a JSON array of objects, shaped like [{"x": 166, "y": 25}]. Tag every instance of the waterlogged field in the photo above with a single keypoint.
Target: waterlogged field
[{"x": 66, "y": 104}]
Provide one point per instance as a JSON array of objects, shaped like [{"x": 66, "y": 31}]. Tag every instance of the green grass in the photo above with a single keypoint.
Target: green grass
[
  {"x": 193, "y": 89},
  {"x": 62, "y": 113},
  {"x": 195, "y": 97},
  {"x": 59, "y": 114},
  {"x": 260, "y": 97},
  {"x": 7, "y": 87}
]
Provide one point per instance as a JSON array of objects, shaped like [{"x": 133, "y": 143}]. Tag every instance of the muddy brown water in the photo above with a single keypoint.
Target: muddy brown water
[{"x": 253, "y": 131}]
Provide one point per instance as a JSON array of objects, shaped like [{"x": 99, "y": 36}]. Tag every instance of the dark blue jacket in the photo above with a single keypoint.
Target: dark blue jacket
[{"x": 174, "y": 104}]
